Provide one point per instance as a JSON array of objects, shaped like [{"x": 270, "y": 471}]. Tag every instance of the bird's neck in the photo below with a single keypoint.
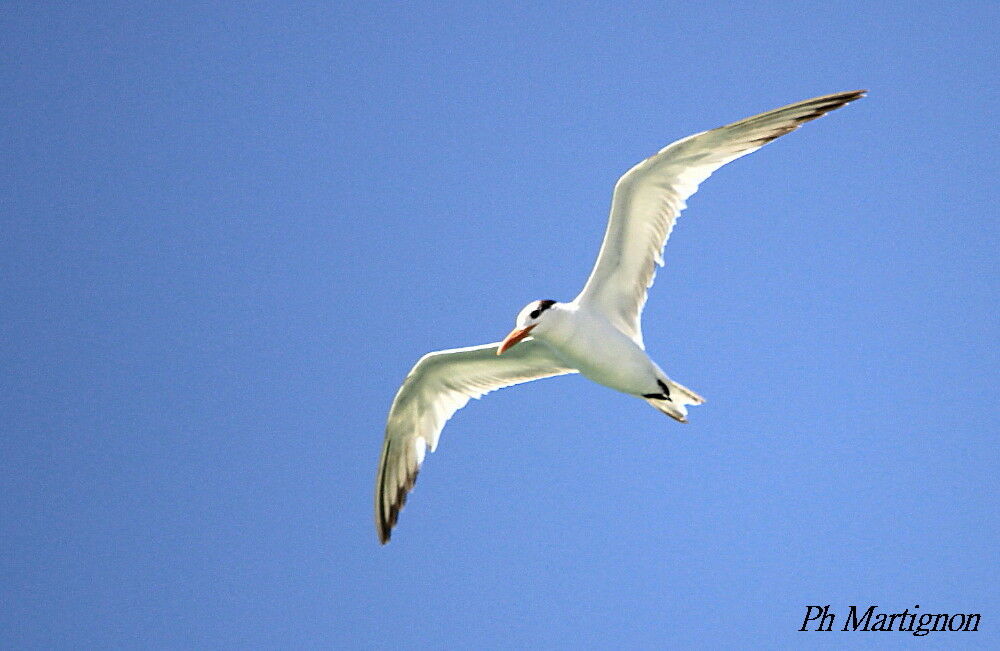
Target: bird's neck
[{"x": 558, "y": 325}]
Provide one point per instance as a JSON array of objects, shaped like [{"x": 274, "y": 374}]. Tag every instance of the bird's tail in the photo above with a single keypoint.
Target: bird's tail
[{"x": 675, "y": 399}]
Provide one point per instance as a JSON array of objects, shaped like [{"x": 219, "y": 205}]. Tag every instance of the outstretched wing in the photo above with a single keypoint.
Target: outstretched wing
[
  {"x": 440, "y": 384},
  {"x": 650, "y": 196}
]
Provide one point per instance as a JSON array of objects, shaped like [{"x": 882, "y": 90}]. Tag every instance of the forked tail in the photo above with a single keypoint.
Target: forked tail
[{"x": 673, "y": 400}]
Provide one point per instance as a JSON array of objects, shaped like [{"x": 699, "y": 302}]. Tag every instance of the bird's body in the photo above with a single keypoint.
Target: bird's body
[
  {"x": 597, "y": 334},
  {"x": 589, "y": 343}
]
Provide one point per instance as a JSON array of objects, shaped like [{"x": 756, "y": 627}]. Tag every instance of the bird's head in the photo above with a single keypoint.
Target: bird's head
[{"x": 528, "y": 319}]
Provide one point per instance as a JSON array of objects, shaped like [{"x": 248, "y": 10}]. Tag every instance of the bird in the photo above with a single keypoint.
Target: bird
[{"x": 598, "y": 334}]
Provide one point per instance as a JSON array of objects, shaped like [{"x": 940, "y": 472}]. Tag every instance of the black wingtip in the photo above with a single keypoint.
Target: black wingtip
[
  {"x": 816, "y": 108},
  {"x": 834, "y": 102},
  {"x": 846, "y": 96},
  {"x": 382, "y": 528},
  {"x": 385, "y": 524}
]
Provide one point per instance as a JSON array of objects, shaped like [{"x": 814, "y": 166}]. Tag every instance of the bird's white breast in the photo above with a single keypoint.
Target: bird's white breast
[{"x": 602, "y": 353}]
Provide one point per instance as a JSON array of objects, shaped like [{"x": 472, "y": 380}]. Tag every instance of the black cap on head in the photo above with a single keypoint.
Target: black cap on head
[{"x": 542, "y": 306}]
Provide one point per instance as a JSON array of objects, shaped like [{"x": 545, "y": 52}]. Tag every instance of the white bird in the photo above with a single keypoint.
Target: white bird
[{"x": 598, "y": 333}]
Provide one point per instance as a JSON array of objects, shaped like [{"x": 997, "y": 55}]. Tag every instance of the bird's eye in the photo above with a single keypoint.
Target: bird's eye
[{"x": 534, "y": 314}]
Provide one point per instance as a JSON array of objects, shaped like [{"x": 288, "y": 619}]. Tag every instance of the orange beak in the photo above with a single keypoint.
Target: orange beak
[{"x": 516, "y": 335}]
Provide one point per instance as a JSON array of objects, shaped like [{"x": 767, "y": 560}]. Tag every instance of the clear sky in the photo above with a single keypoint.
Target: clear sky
[{"x": 227, "y": 234}]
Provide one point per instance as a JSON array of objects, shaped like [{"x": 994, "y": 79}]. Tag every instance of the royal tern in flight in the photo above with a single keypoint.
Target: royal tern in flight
[{"x": 598, "y": 333}]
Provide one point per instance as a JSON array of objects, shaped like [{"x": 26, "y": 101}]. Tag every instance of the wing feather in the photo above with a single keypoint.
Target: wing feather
[
  {"x": 649, "y": 197},
  {"x": 440, "y": 384}
]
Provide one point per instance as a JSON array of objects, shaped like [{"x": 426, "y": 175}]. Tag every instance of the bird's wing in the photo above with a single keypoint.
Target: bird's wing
[
  {"x": 650, "y": 196},
  {"x": 440, "y": 384}
]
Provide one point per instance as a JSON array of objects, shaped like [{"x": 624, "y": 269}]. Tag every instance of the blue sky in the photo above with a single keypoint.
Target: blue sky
[{"x": 229, "y": 233}]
